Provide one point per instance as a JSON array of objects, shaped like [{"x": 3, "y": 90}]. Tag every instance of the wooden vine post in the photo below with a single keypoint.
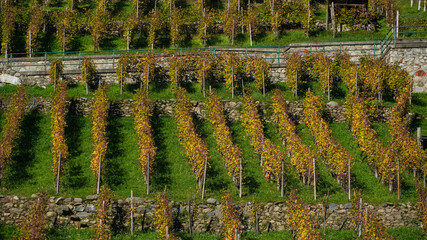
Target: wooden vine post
[
  {"x": 54, "y": 78},
  {"x": 121, "y": 79},
  {"x": 204, "y": 178},
  {"x": 240, "y": 178},
  {"x": 263, "y": 83},
  {"x": 329, "y": 87},
  {"x": 349, "y": 180},
  {"x": 59, "y": 172},
  {"x": 98, "y": 185},
  {"x": 282, "y": 187},
  {"x": 190, "y": 217},
  {"x": 232, "y": 81},
  {"x": 314, "y": 179},
  {"x": 86, "y": 83},
  {"x": 131, "y": 212},
  {"x": 203, "y": 80},
  {"x": 398, "y": 179},
  {"x": 334, "y": 28},
  {"x": 148, "y": 174},
  {"x": 296, "y": 83}
]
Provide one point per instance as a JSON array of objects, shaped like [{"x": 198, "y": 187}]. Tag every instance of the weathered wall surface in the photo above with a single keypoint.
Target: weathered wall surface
[
  {"x": 334, "y": 112},
  {"x": 414, "y": 61},
  {"x": 80, "y": 213},
  {"x": 411, "y": 56}
]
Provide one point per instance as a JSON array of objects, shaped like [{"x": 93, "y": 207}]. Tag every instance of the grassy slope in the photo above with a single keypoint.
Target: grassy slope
[
  {"x": 32, "y": 163},
  {"x": 403, "y": 233},
  {"x": 32, "y": 167}
]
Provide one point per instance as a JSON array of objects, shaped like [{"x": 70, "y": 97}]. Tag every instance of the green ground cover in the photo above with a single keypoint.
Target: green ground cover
[
  {"x": 31, "y": 168},
  {"x": 402, "y": 233}
]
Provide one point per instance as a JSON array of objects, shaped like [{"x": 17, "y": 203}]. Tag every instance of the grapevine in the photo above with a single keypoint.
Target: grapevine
[
  {"x": 301, "y": 155},
  {"x": 259, "y": 68},
  {"x": 56, "y": 68},
  {"x": 334, "y": 153},
  {"x": 87, "y": 72},
  {"x": 35, "y": 223},
  {"x": 295, "y": 72},
  {"x": 302, "y": 224},
  {"x": 99, "y": 126},
  {"x": 58, "y": 111},
  {"x": 146, "y": 146},
  {"x": 163, "y": 220},
  {"x": 269, "y": 152},
  {"x": 103, "y": 205},
  {"x": 231, "y": 220},
  {"x": 231, "y": 153},
  {"x": 11, "y": 129},
  {"x": 378, "y": 156},
  {"x": 195, "y": 149},
  {"x": 147, "y": 64}
]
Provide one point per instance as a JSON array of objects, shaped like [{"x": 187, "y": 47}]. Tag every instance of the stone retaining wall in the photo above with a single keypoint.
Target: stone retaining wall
[
  {"x": 334, "y": 112},
  {"x": 80, "y": 213},
  {"x": 414, "y": 61}
]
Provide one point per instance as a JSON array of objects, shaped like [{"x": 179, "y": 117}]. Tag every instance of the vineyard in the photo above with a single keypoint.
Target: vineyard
[
  {"x": 59, "y": 26},
  {"x": 183, "y": 157}
]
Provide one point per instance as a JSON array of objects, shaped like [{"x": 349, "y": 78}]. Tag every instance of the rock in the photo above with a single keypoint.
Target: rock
[
  {"x": 80, "y": 208},
  {"x": 347, "y": 206},
  {"x": 333, "y": 206},
  {"x": 203, "y": 206},
  {"x": 50, "y": 214},
  {"x": 82, "y": 215},
  {"x": 418, "y": 89},
  {"x": 78, "y": 200},
  {"x": 59, "y": 200},
  {"x": 15, "y": 210},
  {"x": 90, "y": 208},
  {"x": 34, "y": 195},
  {"x": 6, "y": 78},
  {"x": 211, "y": 200},
  {"x": 210, "y": 214},
  {"x": 92, "y": 197},
  {"x": 333, "y": 104},
  {"x": 420, "y": 73}
]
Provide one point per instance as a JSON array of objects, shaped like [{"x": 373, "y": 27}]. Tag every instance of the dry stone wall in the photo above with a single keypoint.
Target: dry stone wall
[
  {"x": 412, "y": 57},
  {"x": 334, "y": 112},
  {"x": 81, "y": 212},
  {"x": 414, "y": 61}
]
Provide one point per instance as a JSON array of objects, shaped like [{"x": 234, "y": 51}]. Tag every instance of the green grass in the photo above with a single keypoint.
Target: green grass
[
  {"x": 32, "y": 160},
  {"x": 31, "y": 168},
  {"x": 402, "y": 233}
]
